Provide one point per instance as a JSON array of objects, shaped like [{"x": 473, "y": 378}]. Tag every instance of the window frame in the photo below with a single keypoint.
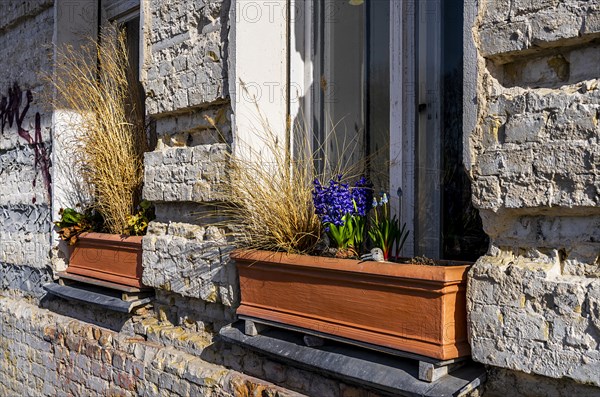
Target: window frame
[
  {"x": 120, "y": 11},
  {"x": 402, "y": 96},
  {"x": 281, "y": 79}
]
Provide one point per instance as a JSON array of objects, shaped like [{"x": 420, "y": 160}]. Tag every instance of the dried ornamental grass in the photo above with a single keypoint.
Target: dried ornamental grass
[
  {"x": 270, "y": 194},
  {"x": 273, "y": 204},
  {"x": 110, "y": 134}
]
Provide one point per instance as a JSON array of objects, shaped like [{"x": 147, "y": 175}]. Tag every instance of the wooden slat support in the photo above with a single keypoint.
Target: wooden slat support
[
  {"x": 66, "y": 278},
  {"x": 431, "y": 372},
  {"x": 106, "y": 300},
  {"x": 134, "y": 296},
  {"x": 253, "y": 328},
  {"x": 65, "y": 281},
  {"x": 261, "y": 325},
  {"x": 313, "y": 341}
]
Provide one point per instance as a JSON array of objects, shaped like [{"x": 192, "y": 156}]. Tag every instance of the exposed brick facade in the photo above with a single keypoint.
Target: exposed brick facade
[{"x": 534, "y": 159}]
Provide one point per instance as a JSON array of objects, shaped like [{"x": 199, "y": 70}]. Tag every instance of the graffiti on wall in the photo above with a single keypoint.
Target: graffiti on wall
[{"x": 12, "y": 114}]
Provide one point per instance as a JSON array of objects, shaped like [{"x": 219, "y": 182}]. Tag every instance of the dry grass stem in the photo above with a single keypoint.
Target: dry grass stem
[
  {"x": 109, "y": 129},
  {"x": 269, "y": 192}
]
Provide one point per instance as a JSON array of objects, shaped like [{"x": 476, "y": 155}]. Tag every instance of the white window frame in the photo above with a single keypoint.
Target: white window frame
[
  {"x": 402, "y": 97},
  {"x": 258, "y": 75},
  {"x": 279, "y": 66}
]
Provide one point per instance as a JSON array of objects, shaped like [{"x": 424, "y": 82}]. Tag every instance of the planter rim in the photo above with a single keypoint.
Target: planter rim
[
  {"x": 109, "y": 257},
  {"x": 108, "y": 237},
  {"x": 446, "y": 274}
]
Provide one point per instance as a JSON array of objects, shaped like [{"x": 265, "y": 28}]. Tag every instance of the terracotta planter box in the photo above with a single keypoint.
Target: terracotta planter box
[
  {"x": 412, "y": 308},
  {"x": 108, "y": 257}
]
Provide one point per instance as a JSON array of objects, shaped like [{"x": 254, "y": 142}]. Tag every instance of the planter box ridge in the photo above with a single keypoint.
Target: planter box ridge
[
  {"x": 414, "y": 308},
  {"x": 108, "y": 257}
]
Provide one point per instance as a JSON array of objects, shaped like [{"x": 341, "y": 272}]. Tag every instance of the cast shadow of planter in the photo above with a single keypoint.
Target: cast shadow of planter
[{"x": 88, "y": 313}]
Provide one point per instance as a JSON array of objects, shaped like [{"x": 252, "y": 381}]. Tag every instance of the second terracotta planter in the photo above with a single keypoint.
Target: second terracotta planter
[
  {"x": 408, "y": 307},
  {"x": 108, "y": 257}
]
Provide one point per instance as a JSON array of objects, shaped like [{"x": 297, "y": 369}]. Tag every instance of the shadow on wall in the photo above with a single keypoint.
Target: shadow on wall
[
  {"x": 548, "y": 68},
  {"x": 26, "y": 279},
  {"x": 112, "y": 320},
  {"x": 500, "y": 380}
]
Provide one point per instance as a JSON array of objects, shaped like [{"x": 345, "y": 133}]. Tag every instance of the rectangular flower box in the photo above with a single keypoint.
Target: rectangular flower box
[
  {"x": 108, "y": 257},
  {"x": 413, "y": 308}
]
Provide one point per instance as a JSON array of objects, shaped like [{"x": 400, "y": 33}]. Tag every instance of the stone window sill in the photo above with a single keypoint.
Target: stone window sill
[
  {"x": 381, "y": 372},
  {"x": 106, "y": 298}
]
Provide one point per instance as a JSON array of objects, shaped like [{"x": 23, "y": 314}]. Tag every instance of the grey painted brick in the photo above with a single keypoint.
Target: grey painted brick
[
  {"x": 24, "y": 278},
  {"x": 186, "y": 174},
  {"x": 507, "y": 37},
  {"x": 188, "y": 61},
  {"x": 550, "y": 322},
  {"x": 537, "y": 185}
]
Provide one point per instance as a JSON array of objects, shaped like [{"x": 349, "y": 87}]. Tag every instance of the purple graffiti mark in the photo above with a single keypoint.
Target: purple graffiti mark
[{"x": 11, "y": 113}]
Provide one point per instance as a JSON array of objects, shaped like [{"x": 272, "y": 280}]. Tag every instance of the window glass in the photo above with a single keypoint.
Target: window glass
[
  {"x": 352, "y": 112},
  {"x": 428, "y": 169},
  {"x": 132, "y": 34},
  {"x": 447, "y": 225},
  {"x": 125, "y": 14},
  {"x": 352, "y": 68},
  {"x": 378, "y": 93}
]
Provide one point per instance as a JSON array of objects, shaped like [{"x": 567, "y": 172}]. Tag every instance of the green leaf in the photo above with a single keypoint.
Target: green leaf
[{"x": 69, "y": 217}]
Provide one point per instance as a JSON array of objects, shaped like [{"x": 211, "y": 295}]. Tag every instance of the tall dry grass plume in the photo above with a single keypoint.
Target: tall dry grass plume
[
  {"x": 269, "y": 189},
  {"x": 95, "y": 83},
  {"x": 272, "y": 200}
]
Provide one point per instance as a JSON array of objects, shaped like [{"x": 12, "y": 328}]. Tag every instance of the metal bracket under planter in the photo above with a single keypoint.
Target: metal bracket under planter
[
  {"x": 111, "y": 296},
  {"x": 430, "y": 369}
]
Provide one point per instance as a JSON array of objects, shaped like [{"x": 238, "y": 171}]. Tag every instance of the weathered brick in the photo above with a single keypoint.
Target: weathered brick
[
  {"x": 74, "y": 343},
  {"x": 124, "y": 380},
  {"x": 97, "y": 385},
  {"x": 91, "y": 349},
  {"x": 118, "y": 360}
]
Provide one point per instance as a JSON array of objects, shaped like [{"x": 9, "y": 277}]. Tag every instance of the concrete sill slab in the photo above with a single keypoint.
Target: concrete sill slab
[
  {"x": 397, "y": 376},
  {"x": 94, "y": 295}
]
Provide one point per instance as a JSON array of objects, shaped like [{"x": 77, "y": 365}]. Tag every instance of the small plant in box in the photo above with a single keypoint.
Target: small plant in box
[
  {"x": 73, "y": 223},
  {"x": 385, "y": 231},
  {"x": 343, "y": 211},
  {"x": 106, "y": 121}
]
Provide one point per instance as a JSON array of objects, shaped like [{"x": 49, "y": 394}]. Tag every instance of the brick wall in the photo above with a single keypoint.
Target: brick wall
[
  {"x": 187, "y": 62},
  {"x": 533, "y": 299},
  {"x": 26, "y": 30},
  {"x": 170, "y": 352},
  {"x": 186, "y": 81},
  {"x": 47, "y": 354}
]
